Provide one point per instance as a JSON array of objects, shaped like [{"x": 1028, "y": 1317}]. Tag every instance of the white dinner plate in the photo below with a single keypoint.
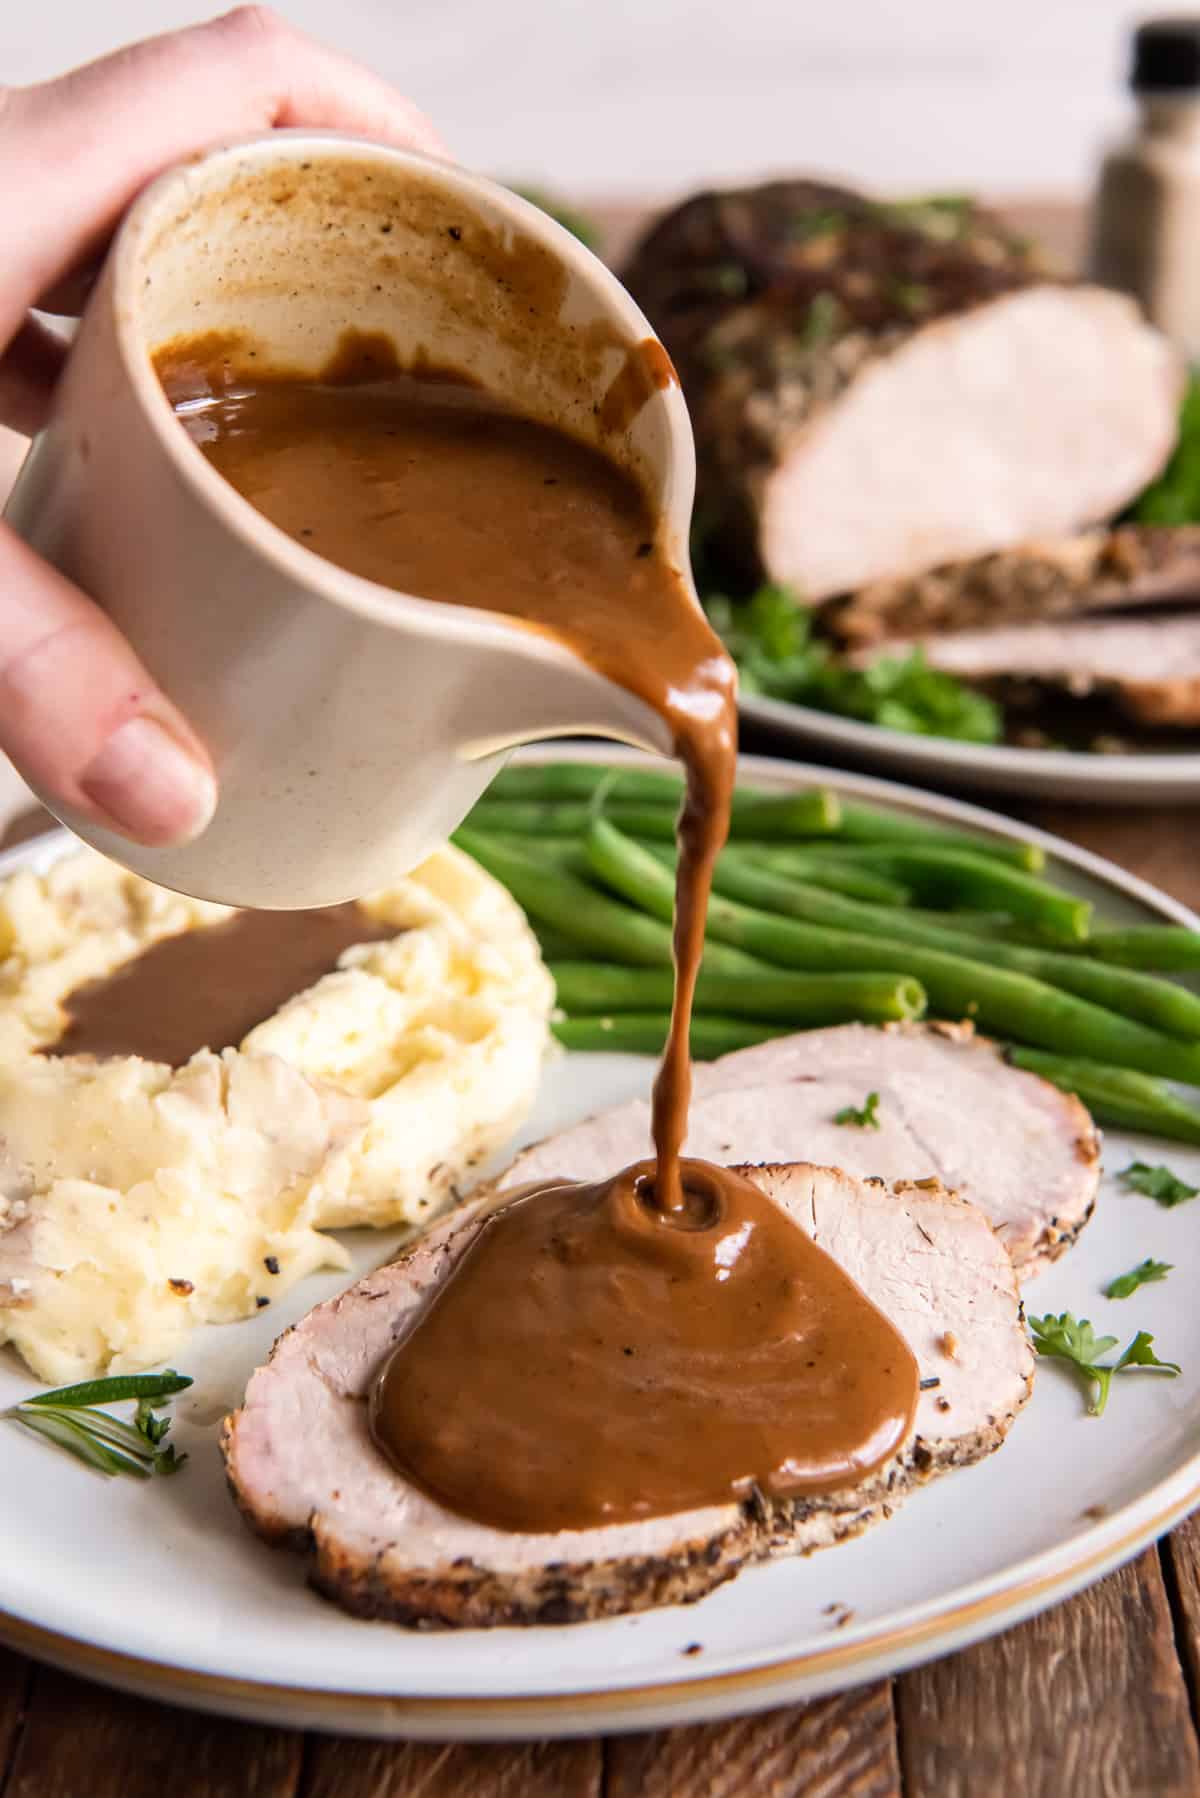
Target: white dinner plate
[
  {"x": 160, "y": 1589},
  {"x": 989, "y": 768}
]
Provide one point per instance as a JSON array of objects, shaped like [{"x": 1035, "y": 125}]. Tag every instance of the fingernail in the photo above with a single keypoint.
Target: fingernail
[{"x": 149, "y": 786}]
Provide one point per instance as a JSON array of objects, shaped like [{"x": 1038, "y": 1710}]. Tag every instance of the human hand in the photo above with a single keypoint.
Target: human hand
[{"x": 79, "y": 714}]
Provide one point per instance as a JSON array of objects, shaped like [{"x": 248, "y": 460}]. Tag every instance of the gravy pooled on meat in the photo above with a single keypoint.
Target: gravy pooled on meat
[
  {"x": 425, "y": 483},
  {"x": 626, "y": 1364}
]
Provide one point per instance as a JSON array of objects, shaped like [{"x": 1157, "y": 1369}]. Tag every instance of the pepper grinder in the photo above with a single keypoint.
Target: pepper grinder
[{"x": 1146, "y": 219}]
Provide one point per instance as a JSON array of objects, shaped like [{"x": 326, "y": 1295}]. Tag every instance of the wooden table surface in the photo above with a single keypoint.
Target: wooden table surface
[{"x": 1098, "y": 1697}]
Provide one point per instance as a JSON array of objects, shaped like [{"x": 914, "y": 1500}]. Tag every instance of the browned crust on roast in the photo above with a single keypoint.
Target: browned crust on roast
[
  {"x": 772, "y": 299},
  {"x": 1090, "y": 571},
  {"x": 464, "y": 1595},
  {"x": 471, "y": 1597},
  {"x": 1051, "y": 1244}
]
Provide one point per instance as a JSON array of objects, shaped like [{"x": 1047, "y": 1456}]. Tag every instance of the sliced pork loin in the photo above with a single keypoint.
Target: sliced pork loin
[
  {"x": 305, "y": 1472},
  {"x": 1130, "y": 565},
  {"x": 1150, "y": 667},
  {"x": 878, "y": 388},
  {"x": 950, "y": 1107}
]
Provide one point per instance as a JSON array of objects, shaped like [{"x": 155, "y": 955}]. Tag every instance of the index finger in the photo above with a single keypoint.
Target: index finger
[{"x": 75, "y": 151}]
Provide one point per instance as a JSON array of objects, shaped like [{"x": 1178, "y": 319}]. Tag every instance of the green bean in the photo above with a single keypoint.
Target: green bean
[
  {"x": 822, "y": 871},
  {"x": 1159, "y": 1003},
  {"x": 856, "y": 883},
  {"x": 555, "y": 945},
  {"x": 1006, "y": 1003},
  {"x": 1172, "y": 947},
  {"x": 535, "y": 818},
  {"x": 777, "y": 815},
  {"x": 1114, "y": 1096},
  {"x": 644, "y": 1033},
  {"x": 564, "y": 783},
  {"x": 558, "y": 781},
  {"x": 863, "y": 824},
  {"x": 586, "y": 916},
  {"x": 565, "y": 853},
  {"x": 996, "y": 927},
  {"x": 800, "y": 1000},
  {"x": 974, "y": 882}
]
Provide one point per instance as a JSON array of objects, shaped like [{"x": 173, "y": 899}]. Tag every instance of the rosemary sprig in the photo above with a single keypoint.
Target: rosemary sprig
[
  {"x": 113, "y": 1391},
  {"x": 70, "y": 1418}
]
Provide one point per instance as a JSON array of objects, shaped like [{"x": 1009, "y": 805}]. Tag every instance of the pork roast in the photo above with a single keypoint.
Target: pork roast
[
  {"x": 1150, "y": 667},
  {"x": 305, "y": 1473},
  {"x": 949, "y": 1107},
  {"x": 879, "y": 388},
  {"x": 1092, "y": 571}
]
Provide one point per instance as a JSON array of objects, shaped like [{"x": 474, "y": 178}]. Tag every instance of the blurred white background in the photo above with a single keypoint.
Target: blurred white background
[{"x": 622, "y": 97}]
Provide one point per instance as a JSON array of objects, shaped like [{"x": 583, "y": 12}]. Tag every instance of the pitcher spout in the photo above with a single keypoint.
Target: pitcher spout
[{"x": 553, "y": 693}]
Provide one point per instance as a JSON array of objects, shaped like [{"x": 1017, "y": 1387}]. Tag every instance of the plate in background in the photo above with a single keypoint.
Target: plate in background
[{"x": 985, "y": 767}]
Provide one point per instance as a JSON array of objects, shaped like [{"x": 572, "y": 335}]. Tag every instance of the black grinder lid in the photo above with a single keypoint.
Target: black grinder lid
[{"x": 1166, "y": 56}]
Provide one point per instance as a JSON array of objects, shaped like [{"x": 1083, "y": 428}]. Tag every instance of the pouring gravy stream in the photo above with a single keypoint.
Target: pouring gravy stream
[{"x": 667, "y": 1338}]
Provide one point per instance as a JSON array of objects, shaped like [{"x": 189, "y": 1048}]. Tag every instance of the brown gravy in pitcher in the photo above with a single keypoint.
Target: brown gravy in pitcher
[{"x": 667, "y": 1338}]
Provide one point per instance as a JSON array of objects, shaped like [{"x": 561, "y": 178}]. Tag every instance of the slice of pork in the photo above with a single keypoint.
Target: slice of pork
[
  {"x": 1149, "y": 666},
  {"x": 1092, "y": 571},
  {"x": 950, "y": 1107},
  {"x": 304, "y": 1471},
  {"x": 878, "y": 388}
]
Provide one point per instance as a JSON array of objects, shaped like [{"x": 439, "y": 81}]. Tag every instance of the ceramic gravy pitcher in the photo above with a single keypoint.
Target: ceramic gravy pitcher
[{"x": 352, "y": 727}]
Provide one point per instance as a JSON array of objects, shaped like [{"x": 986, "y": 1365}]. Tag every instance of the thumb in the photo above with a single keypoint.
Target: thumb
[{"x": 82, "y": 719}]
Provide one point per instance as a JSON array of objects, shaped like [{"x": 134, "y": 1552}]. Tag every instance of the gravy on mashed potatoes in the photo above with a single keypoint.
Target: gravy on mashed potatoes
[{"x": 139, "y": 1200}]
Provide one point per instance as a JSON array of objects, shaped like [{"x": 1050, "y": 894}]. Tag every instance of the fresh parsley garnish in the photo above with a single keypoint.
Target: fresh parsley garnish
[
  {"x": 70, "y": 1417},
  {"x": 1174, "y": 498},
  {"x": 866, "y": 1119},
  {"x": 1065, "y": 1339},
  {"x": 1141, "y": 1275},
  {"x": 1158, "y": 1183},
  {"x": 770, "y": 636}
]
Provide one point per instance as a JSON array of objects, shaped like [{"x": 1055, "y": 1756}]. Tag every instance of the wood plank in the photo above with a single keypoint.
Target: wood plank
[
  {"x": 82, "y": 1741},
  {"x": 1088, "y": 1698},
  {"x": 337, "y": 1767},
  {"x": 1181, "y": 1556},
  {"x": 1147, "y": 840},
  {"x": 841, "y": 1747},
  {"x": 16, "y": 1679}
]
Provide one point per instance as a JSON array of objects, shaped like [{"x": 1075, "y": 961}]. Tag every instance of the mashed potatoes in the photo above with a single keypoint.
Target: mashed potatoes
[{"x": 137, "y": 1201}]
